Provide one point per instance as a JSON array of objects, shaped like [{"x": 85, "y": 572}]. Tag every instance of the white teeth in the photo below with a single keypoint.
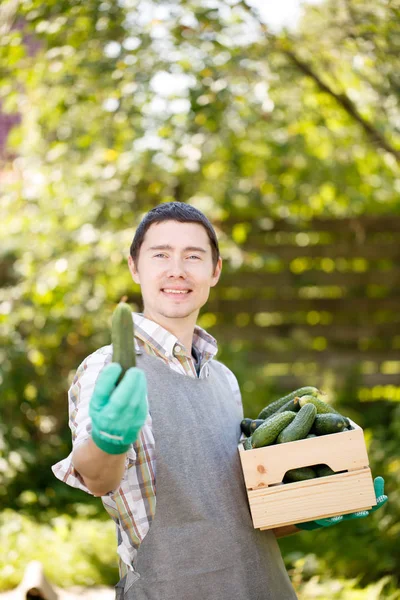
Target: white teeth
[{"x": 176, "y": 291}]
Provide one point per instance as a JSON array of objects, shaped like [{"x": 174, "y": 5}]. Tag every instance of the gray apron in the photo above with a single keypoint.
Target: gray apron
[{"x": 201, "y": 544}]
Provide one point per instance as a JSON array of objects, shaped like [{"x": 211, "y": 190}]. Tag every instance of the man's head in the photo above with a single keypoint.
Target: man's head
[
  {"x": 174, "y": 211},
  {"x": 175, "y": 258}
]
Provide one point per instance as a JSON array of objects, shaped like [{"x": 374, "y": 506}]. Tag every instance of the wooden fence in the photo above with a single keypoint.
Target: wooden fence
[
  {"x": 322, "y": 297},
  {"x": 310, "y": 300}
]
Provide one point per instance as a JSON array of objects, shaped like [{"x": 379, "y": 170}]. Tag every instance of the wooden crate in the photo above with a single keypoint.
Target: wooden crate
[{"x": 274, "y": 504}]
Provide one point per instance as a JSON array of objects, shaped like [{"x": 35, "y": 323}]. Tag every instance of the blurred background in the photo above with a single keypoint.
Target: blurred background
[{"x": 280, "y": 121}]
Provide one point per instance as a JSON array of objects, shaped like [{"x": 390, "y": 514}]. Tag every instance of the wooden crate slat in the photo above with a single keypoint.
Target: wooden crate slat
[
  {"x": 267, "y": 466},
  {"x": 292, "y": 503}
]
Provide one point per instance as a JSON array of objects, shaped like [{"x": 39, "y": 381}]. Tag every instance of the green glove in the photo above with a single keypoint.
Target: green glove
[
  {"x": 118, "y": 412},
  {"x": 381, "y": 499}
]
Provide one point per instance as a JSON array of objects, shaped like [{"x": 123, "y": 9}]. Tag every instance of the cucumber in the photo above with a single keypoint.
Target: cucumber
[
  {"x": 270, "y": 409},
  {"x": 122, "y": 338},
  {"x": 321, "y": 406},
  {"x": 255, "y": 424},
  {"x": 310, "y": 435},
  {"x": 300, "y": 427},
  {"x": 323, "y": 470},
  {"x": 292, "y": 405},
  {"x": 247, "y": 443},
  {"x": 329, "y": 423},
  {"x": 267, "y": 433},
  {"x": 299, "y": 474},
  {"x": 245, "y": 426}
]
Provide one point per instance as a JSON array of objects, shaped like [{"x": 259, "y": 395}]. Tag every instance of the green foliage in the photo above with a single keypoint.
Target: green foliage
[
  {"x": 256, "y": 125},
  {"x": 83, "y": 551},
  {"x": 340, "y": 589}
]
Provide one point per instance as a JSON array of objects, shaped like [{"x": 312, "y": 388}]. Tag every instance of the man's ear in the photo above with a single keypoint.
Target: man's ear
[
  {"x": 133, "y": 270},
  {"x": 217, "y": 272}
]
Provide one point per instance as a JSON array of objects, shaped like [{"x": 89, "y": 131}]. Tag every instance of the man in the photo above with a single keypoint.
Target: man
[{"x": 161, "y": 447}]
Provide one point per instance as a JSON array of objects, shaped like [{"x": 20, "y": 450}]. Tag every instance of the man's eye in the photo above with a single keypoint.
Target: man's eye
[{"x": 161, "y": 254}]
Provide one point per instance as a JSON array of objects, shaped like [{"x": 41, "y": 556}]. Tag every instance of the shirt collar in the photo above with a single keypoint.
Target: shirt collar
[{"x": 164, "y": 342}]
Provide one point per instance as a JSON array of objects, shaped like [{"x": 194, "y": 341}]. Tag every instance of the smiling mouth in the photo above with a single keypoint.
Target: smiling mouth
[{"x": 175, "y": 293}]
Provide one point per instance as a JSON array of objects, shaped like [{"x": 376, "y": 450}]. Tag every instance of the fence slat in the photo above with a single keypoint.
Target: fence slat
[
  {"x": 343, "y": 358},
  {"x": 357, "y": 225},
  {"x": 349, "y": 333},
  {"x": 289, "y": 252},
  {"x": 350, "y": 279},
  {"x": 283, "y": 305}
]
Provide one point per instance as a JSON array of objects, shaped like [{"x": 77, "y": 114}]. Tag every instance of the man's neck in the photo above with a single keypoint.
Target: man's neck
[{"x": 182, "y": 331}]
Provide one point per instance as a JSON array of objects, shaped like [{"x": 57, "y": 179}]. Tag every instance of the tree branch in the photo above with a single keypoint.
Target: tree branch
[
  {"x": 346, "y": 103},
  {"x": 373, "y": 134}
]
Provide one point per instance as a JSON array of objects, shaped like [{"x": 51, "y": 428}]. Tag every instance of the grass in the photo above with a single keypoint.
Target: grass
[
  {"x": 81, "y": 550},
  {"x": 338, "y": 589},
  {"x": 319, "y": 588},
  {"x": 73, "y": 551}
]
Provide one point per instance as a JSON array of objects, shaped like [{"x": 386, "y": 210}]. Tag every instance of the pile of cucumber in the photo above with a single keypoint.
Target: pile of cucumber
[{"x": 301, "y": 414}]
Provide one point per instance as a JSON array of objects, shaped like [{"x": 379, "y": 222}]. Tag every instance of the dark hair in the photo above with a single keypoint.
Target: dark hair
[{"x": 174, "y": 211}]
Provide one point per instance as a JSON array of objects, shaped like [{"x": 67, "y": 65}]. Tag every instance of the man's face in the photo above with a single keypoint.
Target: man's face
[{"x": 175, "y": 271}]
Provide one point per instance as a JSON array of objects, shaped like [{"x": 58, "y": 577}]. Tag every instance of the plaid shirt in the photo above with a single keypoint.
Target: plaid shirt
[{"x": 132, "y": 505}]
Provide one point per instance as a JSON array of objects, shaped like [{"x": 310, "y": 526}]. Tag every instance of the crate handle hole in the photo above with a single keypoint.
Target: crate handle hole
[{"x": 309, "y": 472}]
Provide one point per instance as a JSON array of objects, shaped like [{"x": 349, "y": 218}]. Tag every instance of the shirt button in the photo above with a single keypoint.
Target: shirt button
[{"x": 178, "y": 348}]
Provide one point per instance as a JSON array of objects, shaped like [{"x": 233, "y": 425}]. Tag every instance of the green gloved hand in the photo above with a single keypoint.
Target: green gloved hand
[
  {"x": 118, "y": 412},
  {"x": 381, "y": 499}
]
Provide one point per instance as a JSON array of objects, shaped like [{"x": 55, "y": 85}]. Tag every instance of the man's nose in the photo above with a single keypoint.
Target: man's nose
[{"x": 176, "y": 268}]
